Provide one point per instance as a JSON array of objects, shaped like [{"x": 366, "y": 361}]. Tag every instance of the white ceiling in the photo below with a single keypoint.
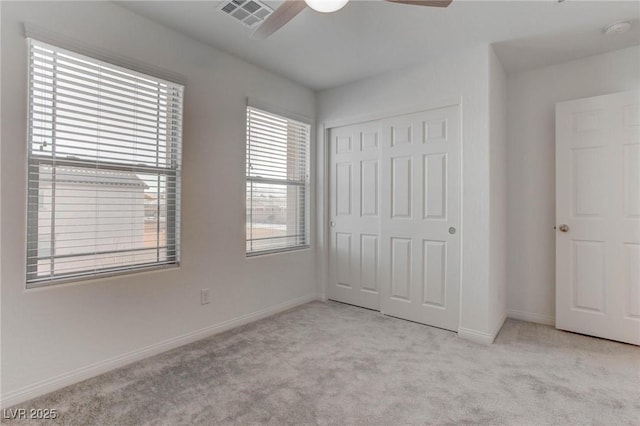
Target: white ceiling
[{"x": 371, "y": 37}]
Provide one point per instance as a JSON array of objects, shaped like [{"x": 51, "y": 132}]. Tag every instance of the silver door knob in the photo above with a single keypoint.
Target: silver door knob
[
  {"x": 452, "y": 230},
  {"x": 333, "y": 224},
  {"x": 563, "y": 228}
]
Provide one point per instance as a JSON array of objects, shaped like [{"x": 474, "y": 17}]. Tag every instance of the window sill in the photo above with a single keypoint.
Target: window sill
[
  {"x": 278, "y": 251},
  {"x": 81, "y": 279}
]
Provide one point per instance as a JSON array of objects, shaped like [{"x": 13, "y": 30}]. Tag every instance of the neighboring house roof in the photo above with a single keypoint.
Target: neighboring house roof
[{"x": 79, "y": 175}]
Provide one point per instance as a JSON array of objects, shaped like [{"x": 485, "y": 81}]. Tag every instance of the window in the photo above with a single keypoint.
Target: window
[
  {"x": 277, "y": 182},
  {"x": 104, "y": 168}
]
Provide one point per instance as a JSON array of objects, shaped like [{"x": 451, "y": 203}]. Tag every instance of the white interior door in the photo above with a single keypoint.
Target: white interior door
[
  {"x": 355, "y": 215},
  {"x": 598, "y": 216},
  {"x": 420, "y": 204}
]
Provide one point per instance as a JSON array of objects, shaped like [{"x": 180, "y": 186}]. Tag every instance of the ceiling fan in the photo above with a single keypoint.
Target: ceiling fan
[{"x": 290, "y": 8}]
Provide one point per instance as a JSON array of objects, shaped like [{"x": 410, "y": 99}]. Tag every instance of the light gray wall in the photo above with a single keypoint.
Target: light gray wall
[
  {"x": 54, "y": 335},
  {"x": 463, "y": 76},
  {"x": 532, "y": 96},
  {"x": 498, "y": 182},
  {"x": 48, "y": 335}
]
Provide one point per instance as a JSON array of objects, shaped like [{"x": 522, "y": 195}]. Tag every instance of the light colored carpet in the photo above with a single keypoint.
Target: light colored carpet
[{"x": 329, "y": 363}]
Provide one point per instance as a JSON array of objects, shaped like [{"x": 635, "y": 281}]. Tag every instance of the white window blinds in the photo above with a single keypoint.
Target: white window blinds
[
  {"x": 277, "y": 182},
  {"x": 104, "y": 168}
]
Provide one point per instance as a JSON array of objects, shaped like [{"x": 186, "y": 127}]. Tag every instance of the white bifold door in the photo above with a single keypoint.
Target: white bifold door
[
  {"x": 395, "y": 216},
  {"x": 598, "y": 216}
]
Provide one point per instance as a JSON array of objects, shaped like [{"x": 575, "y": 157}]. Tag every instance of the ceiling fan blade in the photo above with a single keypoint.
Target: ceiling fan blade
[
  {"x": 279, "y": 18},
  {"x": 430, "y": 3}
]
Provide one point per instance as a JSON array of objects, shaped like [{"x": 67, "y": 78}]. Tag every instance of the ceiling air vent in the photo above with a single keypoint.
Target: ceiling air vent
[{"x": 249, "y": 12}]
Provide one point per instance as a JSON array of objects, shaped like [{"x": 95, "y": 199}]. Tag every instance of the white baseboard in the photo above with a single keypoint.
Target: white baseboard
[
  {"x": 531, "y": 317},
  {"x": 481, "y": 336},
  {"x": 45, "y": 386}
]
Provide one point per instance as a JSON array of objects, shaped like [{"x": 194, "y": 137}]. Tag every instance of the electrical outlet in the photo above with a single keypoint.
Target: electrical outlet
[{"x": 205, "y": 296}]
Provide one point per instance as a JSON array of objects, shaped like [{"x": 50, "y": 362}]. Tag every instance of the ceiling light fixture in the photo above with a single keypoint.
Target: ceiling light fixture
[
  {"x": 617, "y": 28},
  {"x": 326, "y": 6}
]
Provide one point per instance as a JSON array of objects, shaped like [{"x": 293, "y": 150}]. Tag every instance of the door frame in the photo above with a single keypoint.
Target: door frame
[{"x": 323, "y": 179}]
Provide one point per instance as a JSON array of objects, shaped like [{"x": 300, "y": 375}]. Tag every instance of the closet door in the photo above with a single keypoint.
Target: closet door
[
  {"x": 420, "y": 217},
  {"x": 355, "y": 215}
]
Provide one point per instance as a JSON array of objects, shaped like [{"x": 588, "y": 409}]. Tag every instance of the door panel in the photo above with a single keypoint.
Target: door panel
[
  {"x": 369, "y": 193},
  {"x": 369, "y": 262},
  {"x": 401, "y": 179},
  {"x": 420, "y": 183},
  {"x": 344, "y": 256},
  {"x": 632, "y": 181},
  {"x": 401, "y": 269},
  {"x": 588, "y": 275},
  {"x": 588, "y": 182},
  {"x": 355, "y": 215},
  {"x": 632, "y": 279},
  {"x": 597, "y": 198},
  {"x": 343, "y": 189},
  {"x": 435, "y": 187},
  {"x": 434, "y": 273}
]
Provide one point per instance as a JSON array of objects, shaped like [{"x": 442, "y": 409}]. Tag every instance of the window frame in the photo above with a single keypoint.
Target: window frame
[
  {"x": 172, "y": 172},
  {"x": 306, "y": 186}
]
